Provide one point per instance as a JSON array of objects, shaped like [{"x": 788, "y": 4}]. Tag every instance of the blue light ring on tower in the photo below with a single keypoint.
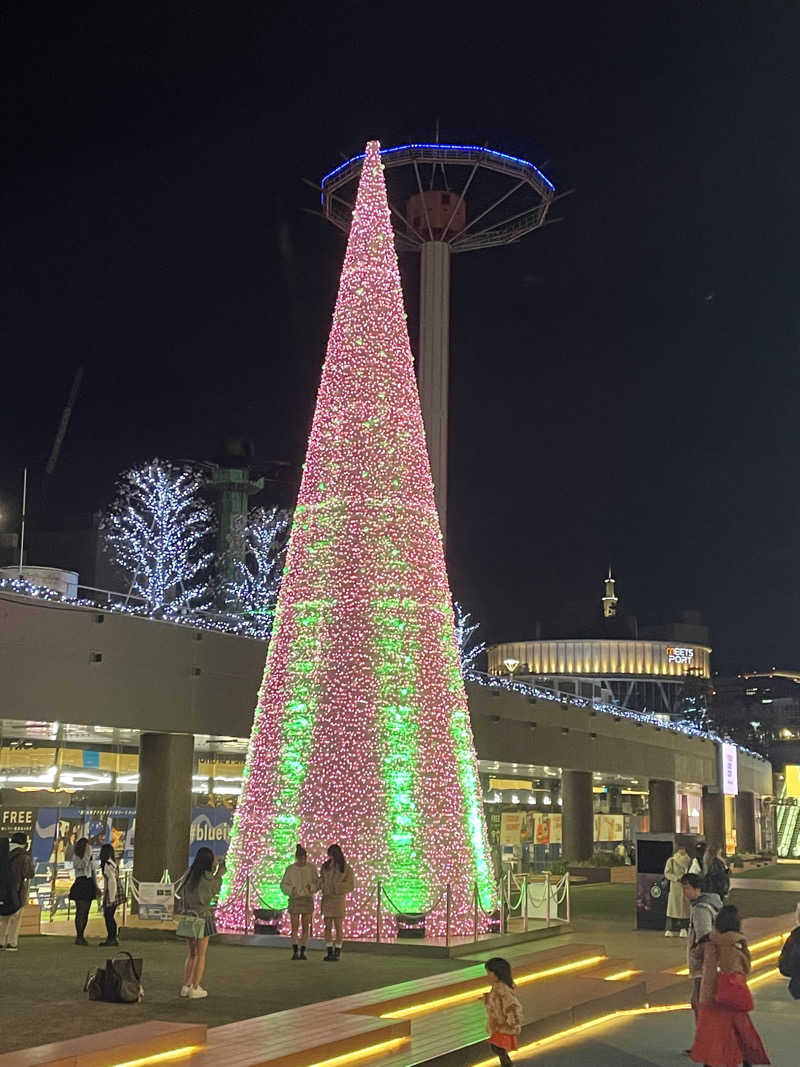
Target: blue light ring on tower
[{"x": 486, "y": 155}]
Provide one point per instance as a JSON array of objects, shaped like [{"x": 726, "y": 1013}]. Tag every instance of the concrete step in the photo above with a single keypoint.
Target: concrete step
[{"x": 111, "y": 1047}]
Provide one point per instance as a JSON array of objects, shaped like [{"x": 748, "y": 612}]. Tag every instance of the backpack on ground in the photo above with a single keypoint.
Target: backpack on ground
[
  {"x": 119, "y": 982},
  {"x": 9, "y": 889}
]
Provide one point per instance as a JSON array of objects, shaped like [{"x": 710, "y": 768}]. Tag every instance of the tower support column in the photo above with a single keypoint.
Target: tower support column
[
  {"x": 745, "y": 823},
  {"x": 434, "y": 363},
  {"x": 577, "y": 815},
  {"x": 714, "y": 818},
  {"x": 662, "y": 806},
  {"x": 163, "y": 805}
]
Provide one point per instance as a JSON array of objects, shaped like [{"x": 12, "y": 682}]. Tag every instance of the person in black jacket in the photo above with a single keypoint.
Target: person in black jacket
[
  {"x": 718, "y": 879},
  {"x": 789, "y": 963},
  {"x": 20, "y": 869}
]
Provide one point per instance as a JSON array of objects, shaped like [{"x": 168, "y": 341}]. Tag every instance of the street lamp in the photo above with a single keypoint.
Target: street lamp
[{"x": 511, "y": 665}]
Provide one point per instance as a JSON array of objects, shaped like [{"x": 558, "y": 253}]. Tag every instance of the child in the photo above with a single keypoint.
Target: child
[
  {"x": 789, "y": 963},
  {"x": 725, "y": 1035},
  {"x": 503, "y": 1010}
]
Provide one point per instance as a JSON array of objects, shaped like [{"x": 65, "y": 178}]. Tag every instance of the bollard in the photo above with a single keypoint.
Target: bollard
[
  {"x": 448, "y": 910},
  {"x": 378, "y": 915},
  {"x": 547, "y": 891},
  {"x": 247, "y": 905}
]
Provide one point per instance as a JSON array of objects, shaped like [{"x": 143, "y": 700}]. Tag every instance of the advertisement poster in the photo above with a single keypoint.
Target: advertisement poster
[
  {"x": 17, "y": 820},
  {"x": 609, "y": 828},
  {"x": 546, "y": 829},
  {"x": 511, "y": 828},
  {"x": 210, "y": 827}
]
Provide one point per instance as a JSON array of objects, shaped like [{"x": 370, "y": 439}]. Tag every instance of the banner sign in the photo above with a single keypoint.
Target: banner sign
[
  {"x": 156, "y": 900},
  {"x": 729, "y": 769}
]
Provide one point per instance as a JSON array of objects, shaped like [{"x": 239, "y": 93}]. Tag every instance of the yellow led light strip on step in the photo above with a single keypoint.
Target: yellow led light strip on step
[
  {"x": 476, "y": 994},
  {"x": 614, "y": 1016},
  {"x": 619, "y": 976},
  {"x": 363, "y": 1053},
  {"x": 778, "y": 939},
  {"x": 163, "y": 1057}
]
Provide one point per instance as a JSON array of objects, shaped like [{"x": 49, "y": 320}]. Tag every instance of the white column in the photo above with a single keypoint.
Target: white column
[{"x": 434, "y": 359}]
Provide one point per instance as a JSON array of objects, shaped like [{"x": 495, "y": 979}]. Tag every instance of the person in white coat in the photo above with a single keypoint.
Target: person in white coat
[
  {"x": 300, "y": 882},
  {"x": 677, "y": 907}
]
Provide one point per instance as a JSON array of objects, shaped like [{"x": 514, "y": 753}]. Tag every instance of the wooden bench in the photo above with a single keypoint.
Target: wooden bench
[
  {"x": 111, "y": 1046},
  {"x": 31, "y": 922}
]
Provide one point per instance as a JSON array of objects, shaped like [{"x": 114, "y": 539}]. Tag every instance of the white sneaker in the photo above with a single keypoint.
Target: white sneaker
[
  {"x": 684, "y": 933},
  {"x": 197, "y": 992},
  {"x": 185, "y": 990},
  {"x": 669, "y": 933}
]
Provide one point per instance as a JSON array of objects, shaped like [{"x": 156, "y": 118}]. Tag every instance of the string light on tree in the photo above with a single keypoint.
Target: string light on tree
[
  {"x": 155, "y": 531},
  {"x": 362, "y": 733},
  {"x": 258, "y": 577},
  {"x": 468, "y": 649}
]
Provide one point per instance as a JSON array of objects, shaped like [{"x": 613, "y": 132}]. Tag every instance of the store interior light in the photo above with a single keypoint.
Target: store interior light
[{"x": 547, "y": 799}]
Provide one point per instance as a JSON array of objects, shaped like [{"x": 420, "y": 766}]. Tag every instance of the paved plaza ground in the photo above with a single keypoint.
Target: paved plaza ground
[
  {"x": 658, "y": 1040},
  {"x": 42, "y": 998}
]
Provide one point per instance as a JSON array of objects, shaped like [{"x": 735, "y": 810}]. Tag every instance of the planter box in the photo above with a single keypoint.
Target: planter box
[
  {"x": 591, "y": 875},
  {"x": 623, "y": 875}
]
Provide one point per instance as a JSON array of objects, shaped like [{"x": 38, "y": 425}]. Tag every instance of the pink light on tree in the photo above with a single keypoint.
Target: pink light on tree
[{"x": 362, "y": 732}]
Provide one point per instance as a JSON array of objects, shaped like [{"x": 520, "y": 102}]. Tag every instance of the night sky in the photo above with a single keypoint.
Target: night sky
[{"x": 624, "y": 384}]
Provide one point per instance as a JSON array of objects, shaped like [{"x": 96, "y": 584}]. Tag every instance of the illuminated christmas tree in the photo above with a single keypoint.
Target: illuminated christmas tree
[{"x": 362, "y": 732}]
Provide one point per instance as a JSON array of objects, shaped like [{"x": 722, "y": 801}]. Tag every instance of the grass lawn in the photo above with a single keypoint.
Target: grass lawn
[
  {"x": 42, "y": 998},
  {"x": 780, "y": 872}
]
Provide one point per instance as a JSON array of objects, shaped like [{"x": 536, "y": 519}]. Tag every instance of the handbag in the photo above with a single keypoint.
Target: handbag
[
  {"x": 191, "y": 925},
  {"x": 733, "y": 992},
  {"x": 119, "y": 982}
]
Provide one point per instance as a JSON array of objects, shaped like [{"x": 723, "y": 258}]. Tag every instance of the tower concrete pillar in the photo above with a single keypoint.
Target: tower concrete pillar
[
  {"x": 745, "y": 823},
  {"x": 434, "y": 363},
  {"x": 714, "y": 818},
  {"x": 662, "y": 806},
  {"x": 163, "y": 805},
  {"x": 578, "y": 815}
]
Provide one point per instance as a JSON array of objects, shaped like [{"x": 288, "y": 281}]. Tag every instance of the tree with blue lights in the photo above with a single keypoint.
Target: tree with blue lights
[
  {"x": 156, "y": 530},
  {"x": 258, "y": 576},
  {"x": 468, "y": 650}
]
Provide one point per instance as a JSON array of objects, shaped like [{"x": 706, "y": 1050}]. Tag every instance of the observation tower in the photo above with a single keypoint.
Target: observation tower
[{"x": 430, "y": 189}]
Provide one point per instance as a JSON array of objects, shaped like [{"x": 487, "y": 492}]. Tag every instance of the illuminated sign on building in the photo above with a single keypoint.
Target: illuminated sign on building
[
  {"x": 729, "y": 769},
  {"x": 792, "y": 775},
  {"x": 680, "y": 655}
]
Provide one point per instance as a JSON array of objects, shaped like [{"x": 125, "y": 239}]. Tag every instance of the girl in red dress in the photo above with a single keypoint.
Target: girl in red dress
[
  {"x": 725, "y": 1035},
  {"x": 503, "y": 1010}
]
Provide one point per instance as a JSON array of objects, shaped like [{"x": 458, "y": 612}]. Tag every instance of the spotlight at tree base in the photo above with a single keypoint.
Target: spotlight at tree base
[{"x": 361, "y": 733}]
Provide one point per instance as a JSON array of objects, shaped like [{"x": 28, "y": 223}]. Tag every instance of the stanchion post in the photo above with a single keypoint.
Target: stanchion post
[
  {"x": 566, "y": 892},
  {"x": 547, "y": 892},
  {"x": 247, "y": 905},
  {"x": 448, "y": 913},
  {"x": 524, "y": 899},
  {"x": 475, "y": 913},
  {"x": 125, "y": 898},
  {"x": 378, "y": 916},
  {"x": 508, "y": 898}
]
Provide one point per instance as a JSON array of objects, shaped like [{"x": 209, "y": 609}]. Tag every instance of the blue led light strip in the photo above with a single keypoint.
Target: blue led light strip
[{"x": 458, "y": 147}]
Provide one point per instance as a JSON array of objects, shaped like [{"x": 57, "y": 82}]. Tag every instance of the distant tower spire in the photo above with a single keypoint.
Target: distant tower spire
[{"x": 610, "y": 599}]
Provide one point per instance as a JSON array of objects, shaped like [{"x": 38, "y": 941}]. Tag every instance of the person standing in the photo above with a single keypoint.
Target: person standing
[
  {"x": 789, "y": 963},
  {"x": 20, "y": 869},
  {"x": 336, "y": 880},
  {"x": 113, "y": 893},
  {"x": 503, "y": 1010},
  {"x": 703, "y": 909},
  {"x": 725, "y": 1035},
  {"x": 718, "y": 878},
  {"x": 84, "y": 889},
  {"x": 300, "y": 882},
  {"x": 199, "y": 886},
  {"x": 677, "y": 908},
  {"x": 697, "y": 866}
]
